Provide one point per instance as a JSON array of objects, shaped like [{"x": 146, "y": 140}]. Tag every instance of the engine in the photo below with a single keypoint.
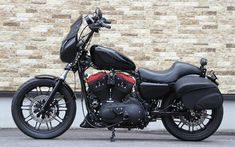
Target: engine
[
  {"x": 110, "y": 85},
  {"x": 112, "y": 101}
]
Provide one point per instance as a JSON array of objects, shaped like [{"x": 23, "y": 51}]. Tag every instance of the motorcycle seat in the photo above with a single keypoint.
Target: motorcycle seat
[{"x": 176, "y": 71}]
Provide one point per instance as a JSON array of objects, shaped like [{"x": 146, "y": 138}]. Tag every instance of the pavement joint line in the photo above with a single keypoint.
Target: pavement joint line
[{"x": 159, "y": 132}]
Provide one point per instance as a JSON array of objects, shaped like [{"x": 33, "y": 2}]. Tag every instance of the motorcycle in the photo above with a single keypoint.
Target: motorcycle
[{"x": 184, "y": 97}]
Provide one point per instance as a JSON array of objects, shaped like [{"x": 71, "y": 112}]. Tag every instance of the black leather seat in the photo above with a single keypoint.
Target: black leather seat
[{"x": 176, "y": 71}]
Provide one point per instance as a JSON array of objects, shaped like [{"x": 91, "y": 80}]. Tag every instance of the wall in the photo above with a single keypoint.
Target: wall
[{"x": 152, "y": 33}]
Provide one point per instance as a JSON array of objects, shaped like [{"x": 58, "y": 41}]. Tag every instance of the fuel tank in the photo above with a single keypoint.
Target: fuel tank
[{"x": 106, "y": 59}]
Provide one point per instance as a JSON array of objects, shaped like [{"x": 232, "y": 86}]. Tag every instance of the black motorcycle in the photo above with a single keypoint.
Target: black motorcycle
[{"x": 184, "y": 97}]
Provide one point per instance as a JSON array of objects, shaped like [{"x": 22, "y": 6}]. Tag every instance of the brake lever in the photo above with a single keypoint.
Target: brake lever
[
  {"x": 106, "y": 25},
  {"x": 108, "y": 21},
  {"x": 103, "y": 19},
  {"x": 101, "y": 23}
]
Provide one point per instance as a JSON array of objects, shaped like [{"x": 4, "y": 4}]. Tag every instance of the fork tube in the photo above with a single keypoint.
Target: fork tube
[
  {"x": 52, "y": 94},
  {"x": 57, "y": 86}
]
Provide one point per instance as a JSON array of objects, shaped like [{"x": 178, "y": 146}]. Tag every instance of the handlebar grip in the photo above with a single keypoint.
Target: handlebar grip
[
  {"x": 105, "y": 22},
  {"x": 106, "y": 26},
  {"x": 108, "y": 21}
]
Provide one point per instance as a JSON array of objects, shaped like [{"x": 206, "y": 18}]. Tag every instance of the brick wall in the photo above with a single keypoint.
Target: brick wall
[{"x": 154, "y": 33}]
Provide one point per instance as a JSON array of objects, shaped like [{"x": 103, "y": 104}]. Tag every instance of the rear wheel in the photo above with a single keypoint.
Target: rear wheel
[
  {"x": 198, "y": 125},
  {"x": 28, "y": 101}
]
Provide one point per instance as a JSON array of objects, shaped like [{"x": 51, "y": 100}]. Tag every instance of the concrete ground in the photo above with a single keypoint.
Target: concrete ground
[{"x": 100, "y": 138}]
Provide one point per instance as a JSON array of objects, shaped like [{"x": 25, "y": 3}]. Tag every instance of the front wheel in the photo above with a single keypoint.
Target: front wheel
[
  {"x": 28, "y": 101},
  {"x": 198, "y": 125}
]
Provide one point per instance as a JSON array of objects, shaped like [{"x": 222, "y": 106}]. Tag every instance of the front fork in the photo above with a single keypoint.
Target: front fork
[{"x": 58, "y": 83}]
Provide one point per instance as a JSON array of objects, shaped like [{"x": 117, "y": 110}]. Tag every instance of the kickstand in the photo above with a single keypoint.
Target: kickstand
[{"x": 113, "y": 134}]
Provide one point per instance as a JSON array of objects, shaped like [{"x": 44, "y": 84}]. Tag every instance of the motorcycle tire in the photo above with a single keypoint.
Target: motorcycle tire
[
  {"x": 210, "y": 128},
  {"x": 44, "y": 130}
]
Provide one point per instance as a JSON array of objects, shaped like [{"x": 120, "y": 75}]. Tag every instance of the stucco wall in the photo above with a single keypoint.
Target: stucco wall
[{"x": 154, "y": 33}]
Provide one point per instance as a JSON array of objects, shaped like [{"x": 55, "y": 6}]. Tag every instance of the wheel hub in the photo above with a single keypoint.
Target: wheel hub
[
  {"x": 40, "y": 115},
  {"x": 195, "y": 118}
]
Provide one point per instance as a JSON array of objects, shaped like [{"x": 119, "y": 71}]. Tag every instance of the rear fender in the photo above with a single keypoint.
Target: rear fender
[{"x": 54, "y": 78}]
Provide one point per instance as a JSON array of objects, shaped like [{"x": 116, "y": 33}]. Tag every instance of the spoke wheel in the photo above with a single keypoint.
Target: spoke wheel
[
  {"x": 198, "y": 125},
  {"x": 27, "y": 109}
]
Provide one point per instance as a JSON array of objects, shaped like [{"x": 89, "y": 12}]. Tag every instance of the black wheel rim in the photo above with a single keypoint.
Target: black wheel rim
[
  {"x": 33, "y": 101},
  {"x": 197, "y": 121}
]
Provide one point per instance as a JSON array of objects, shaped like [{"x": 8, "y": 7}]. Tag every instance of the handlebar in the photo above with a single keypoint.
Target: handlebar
[
  {"x": 97, "y": 21},
  {"x": 105, "y": 23},
  {"x": 93, "y": 22},
  {"x": 106, "y": 20}
]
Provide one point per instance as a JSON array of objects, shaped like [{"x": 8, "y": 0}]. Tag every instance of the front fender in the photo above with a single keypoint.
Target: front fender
[
  {"x": 54, "y": 78},
  {"x": 46, "y": 77}
]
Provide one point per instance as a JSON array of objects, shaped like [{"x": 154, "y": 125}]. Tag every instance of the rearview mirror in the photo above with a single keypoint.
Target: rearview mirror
[{"x": 98, "y": 12}]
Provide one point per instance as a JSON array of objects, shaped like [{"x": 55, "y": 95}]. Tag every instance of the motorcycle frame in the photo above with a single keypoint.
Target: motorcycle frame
[
  {"x": 81, "y": 70},
  {"x": 74, "y": 66},
  {"x": 80, "y": 64}
]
